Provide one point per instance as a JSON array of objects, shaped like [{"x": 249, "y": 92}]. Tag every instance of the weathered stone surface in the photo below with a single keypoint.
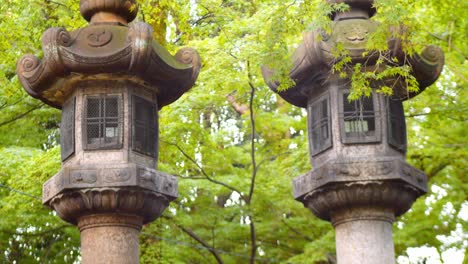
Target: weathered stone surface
[
  {"x": 126, "y": 9},
  {"x": 71, "y": 205},
  {"x": 364, "y": 235},
  {"x": 383, "y": 182},
  {"x": 113, "y": 52},
  {"x": 127, "y": 175},
  {"x": 359, "y": 170},
  {"x": 111, "y": 78},
  {"x": 313, "y": 59},
  {"x": 394, "y": 195},
  {"x": 98, "y": 230},
  {"x": 108, "y": 180},
  {"x": 360, "y": 181}
]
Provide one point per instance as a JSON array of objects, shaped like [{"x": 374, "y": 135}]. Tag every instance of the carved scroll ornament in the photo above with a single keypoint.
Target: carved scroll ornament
[
  {"x": 114, "y": 50},
  {"x": 313, "y": 59}
]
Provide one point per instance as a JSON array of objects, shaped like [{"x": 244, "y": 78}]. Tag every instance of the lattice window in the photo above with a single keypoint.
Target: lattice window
[
  {"x": 145, "y": 127},
  {"x": 319, "y": 125},
  {"x": 396, "y": 125},
  {"x": 67, "y": 129},
  {"x": 103, "y": 122},
  {"x": 359, "y": 119}
]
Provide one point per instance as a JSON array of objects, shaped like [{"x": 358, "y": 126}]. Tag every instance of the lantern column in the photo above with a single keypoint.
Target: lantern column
[
  {"x": 360, "y": 181},
  {"x": 109, "y": 79}
]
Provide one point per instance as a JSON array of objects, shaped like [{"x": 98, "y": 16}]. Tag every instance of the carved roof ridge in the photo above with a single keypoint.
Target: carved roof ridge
[
  {"x": 313, "y": 60},
  {"x": 112, "y": 49}
]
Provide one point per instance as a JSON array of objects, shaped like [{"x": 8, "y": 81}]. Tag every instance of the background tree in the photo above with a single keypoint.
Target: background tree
[{"x": 234, "y": 145}]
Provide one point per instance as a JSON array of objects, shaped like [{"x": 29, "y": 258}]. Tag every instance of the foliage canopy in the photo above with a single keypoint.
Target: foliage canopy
[{"x": 234, "y": 145}]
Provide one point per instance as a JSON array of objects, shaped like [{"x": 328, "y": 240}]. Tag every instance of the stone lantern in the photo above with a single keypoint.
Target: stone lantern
[
  {"x": 110, "y": 79},
  {"x": 360, "y": 181}
]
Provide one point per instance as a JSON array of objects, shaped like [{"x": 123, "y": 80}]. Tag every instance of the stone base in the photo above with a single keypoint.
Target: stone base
[
  {"x": 109, "y": 204},
  {"x": 78, "y": 191},
  {"x": 110, "y": 238},
  {"x": 127, "y": 175},
  {"x": 72, "y": 205},
  {"x": 361, "y": 198},
  {"x": 386, "y": 183}
]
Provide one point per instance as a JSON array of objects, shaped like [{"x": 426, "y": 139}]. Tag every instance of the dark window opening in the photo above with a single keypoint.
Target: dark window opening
[
  {"x": 103, "y": 122},
  {"x": 67, "y": 129},
  {"x": 145, "y": 130},
  {"x": 358, "y": 120},
  {"x": 396, "y": 125},
  {"x": 320, "y": 125}
]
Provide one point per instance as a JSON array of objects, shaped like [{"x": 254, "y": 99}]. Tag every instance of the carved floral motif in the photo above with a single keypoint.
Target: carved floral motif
[
  {"x": 73, "y": 204},
  {"x": 397, "y": 196},
  {"x": 83, "y": 176},
  {"x": 388, "y": 183},
  {"x": 116, "y": 175}
]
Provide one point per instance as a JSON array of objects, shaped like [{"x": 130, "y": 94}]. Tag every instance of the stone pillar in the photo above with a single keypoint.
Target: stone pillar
[
  {"x": 364, "y": 235},
  {"x": 361, "y": 211},
  {"x": 110, "y": 219},
  {"x": 97, "y": 230}
]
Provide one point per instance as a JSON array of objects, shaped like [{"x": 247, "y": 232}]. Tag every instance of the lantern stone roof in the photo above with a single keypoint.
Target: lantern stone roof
[
  {"x": 313, "y": 60},
  {"x": 108, "y": 48}
]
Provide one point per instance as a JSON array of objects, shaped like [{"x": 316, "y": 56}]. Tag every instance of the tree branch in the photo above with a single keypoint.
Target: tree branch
[
  {"x": 253, "y": 239},
  {"x": 296, "y": 231},
  {"x": 60, "y": 4},
  {"x": 239, "y": 108},
  {"x": 271, "y": 158},
  {"x": 203, "y": 243},
  {"x": 190, "y": 177},
  {"x": 5, "y": 104},
  {"x": 447, "y": 112},
  {"x": 253, "y": 235},
  {"x": 449, "y": 43},
  {"x": 435, "y": 170},
  {"x": 21, "y": 115},
  {"x": 37, "y": 233},
  {"x": 252, "y": 137},
  {"x": 20, "y": 192},
  {"x": 203, "y": 172}
]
